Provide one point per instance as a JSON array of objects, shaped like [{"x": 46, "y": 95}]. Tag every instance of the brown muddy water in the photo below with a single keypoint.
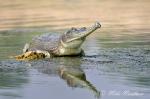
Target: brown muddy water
[{"x": 117, "y": 61}]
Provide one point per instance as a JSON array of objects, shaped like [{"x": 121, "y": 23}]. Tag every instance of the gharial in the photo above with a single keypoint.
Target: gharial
[{"x": 54, "y": 45}]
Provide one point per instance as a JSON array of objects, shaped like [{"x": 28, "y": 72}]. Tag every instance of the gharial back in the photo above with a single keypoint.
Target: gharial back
[{"x": 45, "y": 42}]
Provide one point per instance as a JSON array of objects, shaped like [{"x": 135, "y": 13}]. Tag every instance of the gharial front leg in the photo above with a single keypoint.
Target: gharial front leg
[{"x": 26, "y": 47}]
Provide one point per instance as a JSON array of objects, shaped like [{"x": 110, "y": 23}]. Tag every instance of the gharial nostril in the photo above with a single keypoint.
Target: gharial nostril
[{"x": 97, "y": 24}]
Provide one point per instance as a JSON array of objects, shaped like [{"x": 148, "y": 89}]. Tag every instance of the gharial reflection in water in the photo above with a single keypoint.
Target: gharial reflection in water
[{"x": 69, "y": 69}]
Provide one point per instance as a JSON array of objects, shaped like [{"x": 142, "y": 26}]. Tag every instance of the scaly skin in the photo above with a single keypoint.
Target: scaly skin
[{"x": 46, "y": 46}]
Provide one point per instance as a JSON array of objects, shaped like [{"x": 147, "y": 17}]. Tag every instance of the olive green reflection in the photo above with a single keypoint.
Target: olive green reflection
[
  {"x": 13, "y": 74},
  {"x": 12, "y": 80}
]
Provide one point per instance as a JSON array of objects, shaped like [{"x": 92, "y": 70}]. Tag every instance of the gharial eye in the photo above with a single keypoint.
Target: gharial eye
[
  {"x": 73, "y": 29},
  {"x": 83, "y": 28}
]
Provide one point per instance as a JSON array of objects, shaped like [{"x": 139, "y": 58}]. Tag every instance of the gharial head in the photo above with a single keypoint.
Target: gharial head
[{"x": 74, "y": 37}]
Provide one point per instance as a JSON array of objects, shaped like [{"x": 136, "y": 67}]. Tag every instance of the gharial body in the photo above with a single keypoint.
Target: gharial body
[{"x": 51, "y": 45}]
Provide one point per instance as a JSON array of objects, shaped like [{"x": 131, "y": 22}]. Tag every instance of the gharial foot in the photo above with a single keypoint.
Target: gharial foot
[{"x": 32, "y": 55}]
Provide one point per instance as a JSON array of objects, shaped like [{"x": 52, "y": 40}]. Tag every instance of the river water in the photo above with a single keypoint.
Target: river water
[{"x": 117, "y": 60}]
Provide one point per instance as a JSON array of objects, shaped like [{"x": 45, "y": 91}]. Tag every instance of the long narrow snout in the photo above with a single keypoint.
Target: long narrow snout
[
  {"x": 85, "y": 33},
  {"x": 91, "y": 29}
]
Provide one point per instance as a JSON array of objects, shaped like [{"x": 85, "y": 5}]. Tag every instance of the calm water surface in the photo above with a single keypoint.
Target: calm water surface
[{"x": 117, "y": 61}]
